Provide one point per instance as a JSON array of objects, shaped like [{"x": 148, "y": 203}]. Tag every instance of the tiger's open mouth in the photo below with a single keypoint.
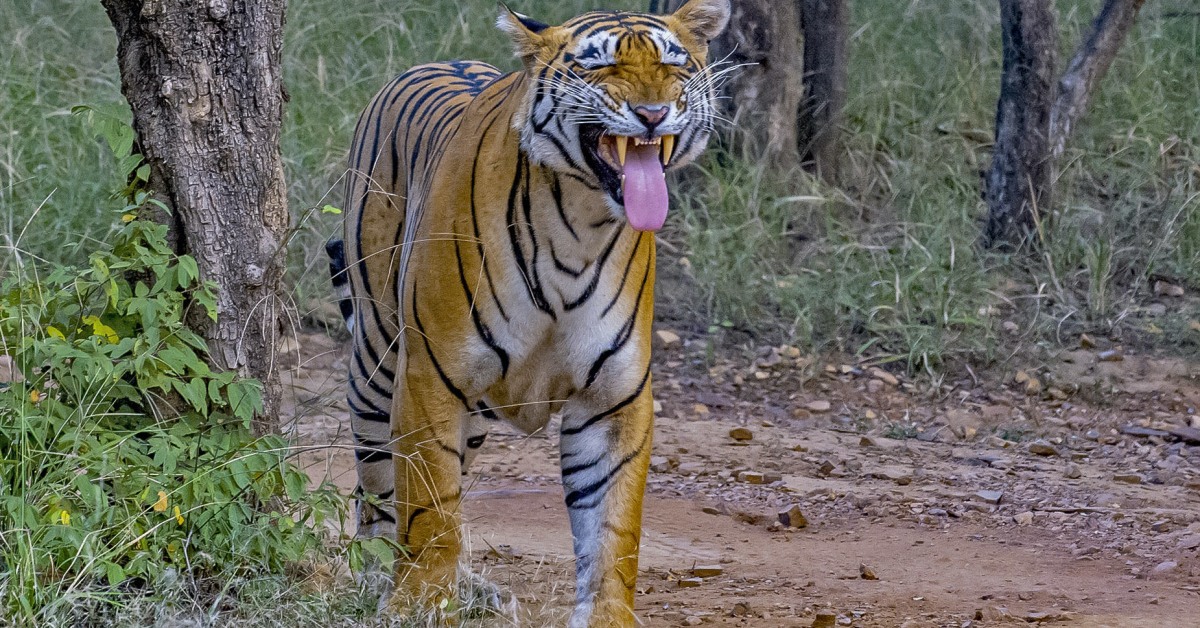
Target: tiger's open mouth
[{"x": 632, "y": 171}]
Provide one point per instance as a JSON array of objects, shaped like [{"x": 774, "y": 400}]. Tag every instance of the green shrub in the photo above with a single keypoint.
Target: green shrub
[{"x": 125, "y": 460}]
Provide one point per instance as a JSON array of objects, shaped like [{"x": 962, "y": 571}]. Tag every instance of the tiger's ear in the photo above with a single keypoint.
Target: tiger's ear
[
  {"x": 704, "y": 19},
  {"x": 526, "y": 33}
]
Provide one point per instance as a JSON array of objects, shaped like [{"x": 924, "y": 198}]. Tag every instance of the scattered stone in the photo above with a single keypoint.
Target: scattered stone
[
  {"x": 1086, "y": 342},
  {"x": 991, "y": 497},
  {"x": 820, "y": 405},
  {"x": 692, "y": 620},
  {"x": 793, "y": 517},
  {"x": 1024, "y": 518},
  {"x": 1129, "y": 478},
  {"x": 1042, "y": 448},
  {"x": 751, "y": 477},
  {"x": 761, "y": 375},
  {"x": 741, "y": 434},
  {"x": 700, "y": 409},
  {"x": 884, "y": 376},
  {"x": 666, "y": 339},
  {"x": 1161, "y": 526},
  {"x": 867, "y": 441},
  {"x": 1011, "y": 327},
  {"x": 707, "y": 571},
  {"x": 688, "y": 583},
  {"x": 658, "y": 407},
  {"x": 711, "y": 510},
  {"x": 740, "y": 609},
  {"x": 660, "y": 464},
  {"x": 1164, "y": 567},
  {"x": 1021, "y": 377},
  {"x": 825, "y": 619},
  {"x": 1073, "y": 472},
  {"x": 875, "y": 387},
  {"x": 867, "y": 572},
  {"x": 1033, "y": 386},
  {"x": 1112, "y": 355},
  {"x": 1164, "y": 289}
]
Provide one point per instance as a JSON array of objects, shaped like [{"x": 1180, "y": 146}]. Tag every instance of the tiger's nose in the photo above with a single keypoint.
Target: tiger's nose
[{"x": 651, "y": 116}]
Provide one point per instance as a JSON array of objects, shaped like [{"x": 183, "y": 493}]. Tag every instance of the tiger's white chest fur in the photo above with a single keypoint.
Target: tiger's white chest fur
[{"x": 588, "y": 352}]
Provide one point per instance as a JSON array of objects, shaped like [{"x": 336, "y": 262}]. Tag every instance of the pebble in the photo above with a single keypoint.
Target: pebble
[
  {"x": 741, "y": 433},
  {"x": 825, "y": 619},
  {"x": 1129, "y": 478},
  {"x": 667, "y": 338},
  {"x": 1073, "y": 472},
  {"x": 692, "y": 620},
  {"x": 700, "y": 409},
  {"x": 1165, "y": 566},
  {"x": 688, "y": 583},
  {"x": 1042, "y": 448},
  {"x": 793, "y": 517},
  {"x": 1111, "y": 355},
  {"x": 1024, "y": 518},
  {"x": 867, "y": 572},
  {"x": 707, "y": 571},
  {"x": 991, "y": 497},
  {"x": 660, "y": 464},
  {"x": 820, "y": 405},
  {"x": 751, "y": 477},
  {"x": 1161, "y": 526},
  {"x": 1086, "y": 341},
  {"x": 884, "y": 376}
]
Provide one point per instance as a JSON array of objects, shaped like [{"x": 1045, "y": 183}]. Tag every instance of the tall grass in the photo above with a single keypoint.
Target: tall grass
[{"x": 886, "y": 265}]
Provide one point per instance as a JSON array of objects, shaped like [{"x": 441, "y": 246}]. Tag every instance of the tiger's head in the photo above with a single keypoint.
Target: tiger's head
[{"x": 618, "y": 98}]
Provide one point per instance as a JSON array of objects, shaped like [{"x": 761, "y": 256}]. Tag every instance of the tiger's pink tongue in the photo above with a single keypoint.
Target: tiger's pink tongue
[{"x": 645, "y": 189}]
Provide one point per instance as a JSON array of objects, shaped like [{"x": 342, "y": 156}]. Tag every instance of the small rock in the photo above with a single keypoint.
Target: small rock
[
  {"x": 825, "y": 619},
  {"x": 666, "y": 339},
  {"x": 991, "y": 497},
  {"x": 741, "y": 434},
  {"x": 700, "y": 409},
  {"x": 819, "y": 406},
  {"x": 1129, "y": 478},
  {"x": 692, "y": 620},
  {"x": 1164, "y": 567},
  {"x": 1033, "y": 386},
  {"x": 1024, "y": 518},
  {"x": 1073, "y": 472},
  {"x": 1011, "y": 327},
  {"x": 867, "y": 441},
  {"x": 1111, "y": 355},
  {"x": 1164, "y": 289},
  {"x": 1042, "y": 448},
  {"x": 1086, "y": 341},
  {"x": 707, "y": 571},
  {"x": 884, "y": 376},
  {"x": 793, "y": 517},
  {"x": 740, "y": 609},
  {"x": 1161, "y": 526},
  {"x": 711, "y": 510},
  {"x": 867, "y": 572},
  {"x": 660, "y": 464},
  {"x": 875, "y": 387},
  {"x": 688, "y": 583},
  {"x": 751, "y": 477}
]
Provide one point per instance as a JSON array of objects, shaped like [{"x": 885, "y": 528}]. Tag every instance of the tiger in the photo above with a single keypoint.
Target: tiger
[{"x": 499, "y": 247}]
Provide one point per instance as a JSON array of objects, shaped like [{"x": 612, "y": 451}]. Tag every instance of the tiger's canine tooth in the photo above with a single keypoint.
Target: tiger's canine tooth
[
  {"x": 622, "y": 142},
  {"x": 668, "y": 148}
]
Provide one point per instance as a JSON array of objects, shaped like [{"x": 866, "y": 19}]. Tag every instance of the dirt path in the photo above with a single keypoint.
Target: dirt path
[{"x": 974, "y": 504}]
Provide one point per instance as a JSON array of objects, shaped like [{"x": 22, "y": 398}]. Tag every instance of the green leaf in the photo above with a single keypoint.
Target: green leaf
[{"x": 116, "y": 575}]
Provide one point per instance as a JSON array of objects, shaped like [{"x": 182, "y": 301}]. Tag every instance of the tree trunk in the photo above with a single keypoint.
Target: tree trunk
[
  {"x": 819, "y": 120},
  {"x": 203, "y": 79},
  {"x": 763, "y": 98},
  {"x": 1018, "y": 184},
  {"x": 1089, "y": 65}
]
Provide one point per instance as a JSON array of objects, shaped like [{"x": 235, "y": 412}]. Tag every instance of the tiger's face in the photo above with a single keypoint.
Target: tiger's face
[{"x": 616, "y": 99}]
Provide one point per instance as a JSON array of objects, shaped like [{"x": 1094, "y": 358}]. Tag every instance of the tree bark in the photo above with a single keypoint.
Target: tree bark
[
  {"x": 1018, "y": 183},
  {"x": 1089, "y": 65},
  {"x": 764, "y": 97},
  {"x": 824, "y": 23},
  {"x": 204, "y": 81}
]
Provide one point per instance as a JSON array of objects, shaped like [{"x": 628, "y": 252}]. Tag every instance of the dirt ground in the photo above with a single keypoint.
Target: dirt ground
[{"x": 1062, "y": 489}]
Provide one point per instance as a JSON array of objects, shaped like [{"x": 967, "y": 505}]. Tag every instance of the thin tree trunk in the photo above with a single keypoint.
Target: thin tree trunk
[
  {"x": 824, "y": 23},
  {"x": 203, "y": 79},
  {"x": 1018, "y": 183},
  {"x": 764, "y": 96},
  {"x": 1089, "y": 65}
]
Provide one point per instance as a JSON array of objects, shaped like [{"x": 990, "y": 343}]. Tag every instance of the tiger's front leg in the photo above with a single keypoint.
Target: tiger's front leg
[
  {"x": 427, "y": 422},
  {"x": 605, "y": 454}
]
